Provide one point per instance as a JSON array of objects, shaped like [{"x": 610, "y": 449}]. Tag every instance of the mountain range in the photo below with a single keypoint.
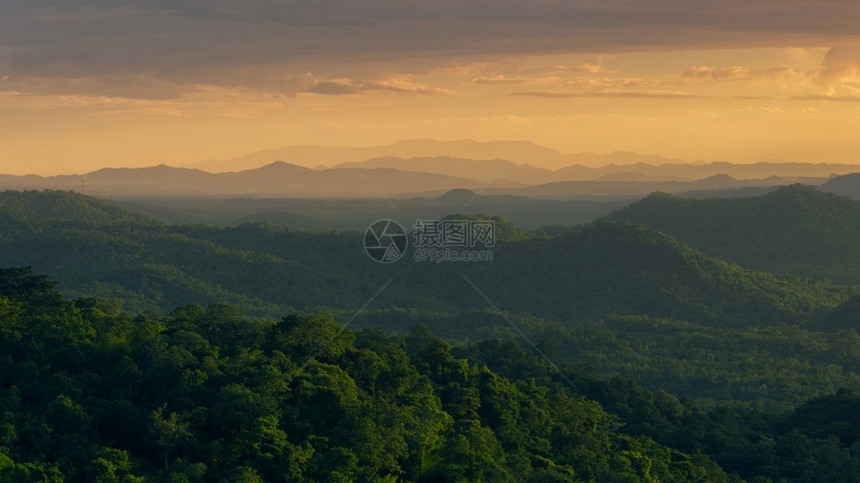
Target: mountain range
[
  {"x": 377, "y": 179},
  {"x": 429, "y": 168},
  {"x": 275, "y": 179},
  {"x": 518, "y": 151},
  {"x": 606, "y": 168}
]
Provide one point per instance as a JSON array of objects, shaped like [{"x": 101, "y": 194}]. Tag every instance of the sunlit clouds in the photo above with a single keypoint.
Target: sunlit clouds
[{"x": 89, "y": 84}]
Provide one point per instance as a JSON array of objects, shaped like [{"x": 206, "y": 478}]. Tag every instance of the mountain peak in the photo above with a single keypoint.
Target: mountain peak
[
  {"x": 458, "y": 195},
  {"x": 278, "y": 166}
]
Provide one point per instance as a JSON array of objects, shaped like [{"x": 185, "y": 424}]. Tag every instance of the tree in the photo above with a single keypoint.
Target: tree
[{"x": 168, "y": 432}]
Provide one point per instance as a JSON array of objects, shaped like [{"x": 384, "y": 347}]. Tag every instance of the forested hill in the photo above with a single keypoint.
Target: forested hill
[
  {"x": 615, "y": 268},
  {"x": 91, "y": 393},
  {"x": 796, "y": 229},
  {"x": 61, "y": 207},
  {"x": 88, "y": 393},
  {"x": 600, "y": 270}
]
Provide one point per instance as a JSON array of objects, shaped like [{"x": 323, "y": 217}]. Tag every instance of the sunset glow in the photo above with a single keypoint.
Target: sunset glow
[{"x": 91, "y": 86}]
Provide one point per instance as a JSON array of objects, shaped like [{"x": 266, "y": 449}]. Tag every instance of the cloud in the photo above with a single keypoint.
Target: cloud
[
  {"x": 640, "y": 94},
  {"x": 827, "y": 98},
  {"x": 611, "y": 83},
  {"x": 840, "y": 71},
  {"x": 397, "y": 85},
  {"x": 705, "y": 114},
  {"x": 502, "y": 79},
  {"x": 173, "y": 46},
  {"x": 523, "y": 73},
  {"x": 706, "y": 73},
  {"x": 144, "y": 86},
  {"x": 335, "y": 88}
]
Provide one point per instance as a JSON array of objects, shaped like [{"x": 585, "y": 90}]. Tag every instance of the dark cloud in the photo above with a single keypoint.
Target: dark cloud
[
  {"x": 136, "y": 87},
  {"x": 346, "y": 88},
  {"x": 272, "y": 45},
  {"x": 500, "y": 80},
  {"x": 333, "y": 88}
]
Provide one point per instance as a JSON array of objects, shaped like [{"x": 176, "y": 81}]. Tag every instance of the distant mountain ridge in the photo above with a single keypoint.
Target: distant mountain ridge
[
  {"x": 846, "y": 185},
  {"x": 377, "y": 179},
  {"x": 665, "y": 170},
  {"x": 327, "y": 156},
  {"x": 578, "y": 166},
  {"x": 635, "y": 189},
  {"x": 275, "y": 179},
  {"x": 429, "y": 167}
]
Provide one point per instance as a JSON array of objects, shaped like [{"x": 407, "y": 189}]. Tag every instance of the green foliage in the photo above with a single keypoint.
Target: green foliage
[
  {"x": 772, "y": 368},
  {"x": 606, "y": 269},
  {"x": 505, "y": 231},
  {"x": 795, "y": 230},
  {"x": 615, "y": 269},
  {"x": 223, "y": 388},
  {"x": 203, "y": 395},
  {"x": 815, "y": 442}
]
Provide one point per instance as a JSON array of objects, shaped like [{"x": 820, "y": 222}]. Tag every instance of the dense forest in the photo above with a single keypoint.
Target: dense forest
[
  {"x": 94, "y": 248},
  {"x": 609, "y": 352},
  {"x": 90, "y": 393}
]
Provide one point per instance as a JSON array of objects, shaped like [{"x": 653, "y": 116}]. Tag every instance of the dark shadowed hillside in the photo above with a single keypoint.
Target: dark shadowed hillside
[
  {"x": 621, "y": 269},
  {"x": 846, "y": 185},
  {"x": 796, "y": 229},
  {"x": 603, "y": 269}
]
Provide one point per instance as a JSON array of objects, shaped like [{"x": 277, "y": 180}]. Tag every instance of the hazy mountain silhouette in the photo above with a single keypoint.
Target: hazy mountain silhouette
[
  {"x": 693, "y": 171},
  {"x": 313, "y": 156},
  {"x": 606, "y": 167},
  {"x": 280, "y": 179},
  {"x": 619, "y": 174},
  {"x": 458, "y": 196},
  {"x": 846, "y": 185},
  {"x": 275, "y": 179},
  {"x": 633, "y": 189},
  {"x": 494, "y": 155},
  {"x": 480, "y": 169}
]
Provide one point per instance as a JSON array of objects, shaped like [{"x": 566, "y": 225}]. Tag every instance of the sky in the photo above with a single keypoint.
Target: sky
[{"x": 86, "y": 84}]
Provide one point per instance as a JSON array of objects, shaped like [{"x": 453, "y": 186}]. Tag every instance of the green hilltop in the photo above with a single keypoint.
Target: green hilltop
[
  {"x": 602, "y": 269},
  {"x": 796, "y": 230}
]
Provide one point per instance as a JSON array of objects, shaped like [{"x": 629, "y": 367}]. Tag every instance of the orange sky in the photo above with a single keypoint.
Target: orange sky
[{"x": 84, "y": 85}]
